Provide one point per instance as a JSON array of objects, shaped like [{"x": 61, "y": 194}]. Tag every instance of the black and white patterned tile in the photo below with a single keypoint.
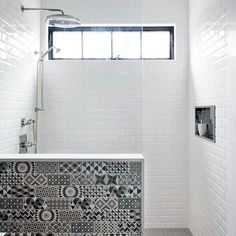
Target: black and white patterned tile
[
  {"x": 13, "y": 227},
  {"x": 135, "y": 167},
  {"x": 29, "y": 234},
  {"x": 130, "y": 179},
  {"x": 47, "y": 215},
  {"x": 118, "y": 215},
  {"x": 23, "y": 167},
  {"x": 107, "y": 227},
  {"x": 83, "y": 179},
  {"x": 59, "y": 227},
  {"x": 35, "y": 227},
  {"x": 46, "y": 167},
  {"x": 107, "y": 179},
  {"x": 93, "y": 167},
  {"x": 23, "y": 215},
  {"x": 47, "y": 191},
  {"x": 58, "y": 179},
  {"x": 106, "y": 203},
  {"x": 117, "y": 167},
  {"x": 35, "y": 179},
  {"x": 129, "y": 227},
  {"x": 92, "y": 191},
  {"x": 85, "y": 198},
  {"x": 135, "y": 215},
  {"x": 129, "y": 203},
  {"x": 95, "y": 215},
  {"x": 59, "y": 203},
  {"x": 11, "y": 203},
  {"x": 5, "y": 191},
  {"x": 34, "y": 204},
  {"x": 5, "y": 215},
  {"x": 16, "y": 191},
  {"x": 22, "y": 191},
  {"x": 70, "y": 215},
  {"x": 5, "y": 167},
  {"x": 69, "y": 191},
  {"x": 11, "y": 179},
  {"x": 82, "y": 227},
  {"x": 82, "y": 203},
  {"x": 69, "y": 167}
]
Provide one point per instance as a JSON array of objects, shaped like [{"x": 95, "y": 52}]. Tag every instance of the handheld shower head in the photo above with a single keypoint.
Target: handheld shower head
[{"x": 48, "y": 51}]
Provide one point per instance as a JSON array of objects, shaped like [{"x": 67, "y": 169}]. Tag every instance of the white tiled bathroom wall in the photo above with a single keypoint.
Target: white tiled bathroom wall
[
  {"x": 92, "y": 107},
  {"x": 19, "y": 38},
  {"x": 208, "y": 86}
]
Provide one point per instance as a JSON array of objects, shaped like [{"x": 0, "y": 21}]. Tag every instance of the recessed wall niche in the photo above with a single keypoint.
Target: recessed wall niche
[{"x": 205, "y": 122}]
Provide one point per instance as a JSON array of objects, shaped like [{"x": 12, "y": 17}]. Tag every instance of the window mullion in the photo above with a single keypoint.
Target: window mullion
[
  {"x": 82, "y": 45},
  {"x": 112, "y": 45}
]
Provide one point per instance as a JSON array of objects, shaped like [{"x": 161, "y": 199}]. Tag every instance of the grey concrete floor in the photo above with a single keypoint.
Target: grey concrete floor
[{"x": 167, "y": 232}]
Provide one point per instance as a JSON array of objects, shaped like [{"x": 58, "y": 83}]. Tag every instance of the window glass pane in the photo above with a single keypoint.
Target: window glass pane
[
  {"x": 97, "y": 44},
  {"x": 126, "y": 45},
  {"x": 156, "y": 44},
  {"x": 69, "y": 43}
]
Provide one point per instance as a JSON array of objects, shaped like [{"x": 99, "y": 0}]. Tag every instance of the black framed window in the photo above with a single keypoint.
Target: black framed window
[{"x": 112, "y": 43}]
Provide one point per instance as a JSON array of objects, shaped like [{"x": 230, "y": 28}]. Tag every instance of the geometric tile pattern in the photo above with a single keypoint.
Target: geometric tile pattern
[
  {"x": 47, "y": 191},
  {"x": 104, "y": 227},
  {"x": 59, "y": 203},
  {"x": 118, "y": 215},
  {"x": 35, "y": 179},
  {"x": 82, "y": 227},
  {"x": 59, "y": 179},
  {"x": 95, "y": 215},
  {"x": 130, "y": 179},
  {"x": 92, "y": 191},
  {"x": 23, "y": 215},
  {"x": 106, "y": 203},
  {"x": 5, "y": 167},
  {"x": 107, "y": 179},
  {"x": 118, "y": 167},
  {"x": 83, "y": 179},
  {"x": 130, "y": 203},
  {"x": 74, "y": 198},
  {"x": 93, "y": 167},
  {"x": 46, "y": 167},
  {"x": 11, "y": 179},
  {"x": 34, "y": 204},
  {"x": 69, "y": 167},
  {"x": 23, "y": 167},
  {"x": 82, "y": 203},
  {"x": 11, "y": 203}
]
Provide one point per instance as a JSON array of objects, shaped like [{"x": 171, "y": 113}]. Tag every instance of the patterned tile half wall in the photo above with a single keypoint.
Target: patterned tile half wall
[{"x": 92, "y": 198}]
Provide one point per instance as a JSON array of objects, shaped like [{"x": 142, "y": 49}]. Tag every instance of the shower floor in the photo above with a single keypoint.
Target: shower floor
[{"x": 167, "y": 232}]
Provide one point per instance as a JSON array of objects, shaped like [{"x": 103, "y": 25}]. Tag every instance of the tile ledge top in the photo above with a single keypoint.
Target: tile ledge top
[{"x": 71, "y": 157}]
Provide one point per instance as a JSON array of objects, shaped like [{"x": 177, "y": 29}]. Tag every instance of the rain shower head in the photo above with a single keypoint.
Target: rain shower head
[
  {"x": 63, "y": 21},
  {"x": 57, "y": 20}
]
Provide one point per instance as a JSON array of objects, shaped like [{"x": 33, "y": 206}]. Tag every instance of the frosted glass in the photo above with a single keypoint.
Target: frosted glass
[
  {"x": 126, "y": 45},
  {"x": 156, "y": 44},
  {"x": 97, "y": 45},
  {"x": 69, "y": 43}
]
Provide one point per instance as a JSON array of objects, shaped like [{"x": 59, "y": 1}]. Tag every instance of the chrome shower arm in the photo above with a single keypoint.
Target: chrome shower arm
[{"x": 41, "y": 9}]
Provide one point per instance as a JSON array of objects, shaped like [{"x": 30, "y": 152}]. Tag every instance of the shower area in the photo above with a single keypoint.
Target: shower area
[
  {"x": 98, "y": 106},
  {"x": 108, "y": 104}
]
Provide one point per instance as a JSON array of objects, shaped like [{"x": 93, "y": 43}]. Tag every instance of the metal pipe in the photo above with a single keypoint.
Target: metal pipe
[
  {"x": 40, "y": 84},
  {"x": 41, "y": 9}
]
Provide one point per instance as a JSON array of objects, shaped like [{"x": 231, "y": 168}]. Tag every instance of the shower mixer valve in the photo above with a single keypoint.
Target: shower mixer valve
[
  {"x": 26, "y": 144},
  {"x": 25, "y": 122}
]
